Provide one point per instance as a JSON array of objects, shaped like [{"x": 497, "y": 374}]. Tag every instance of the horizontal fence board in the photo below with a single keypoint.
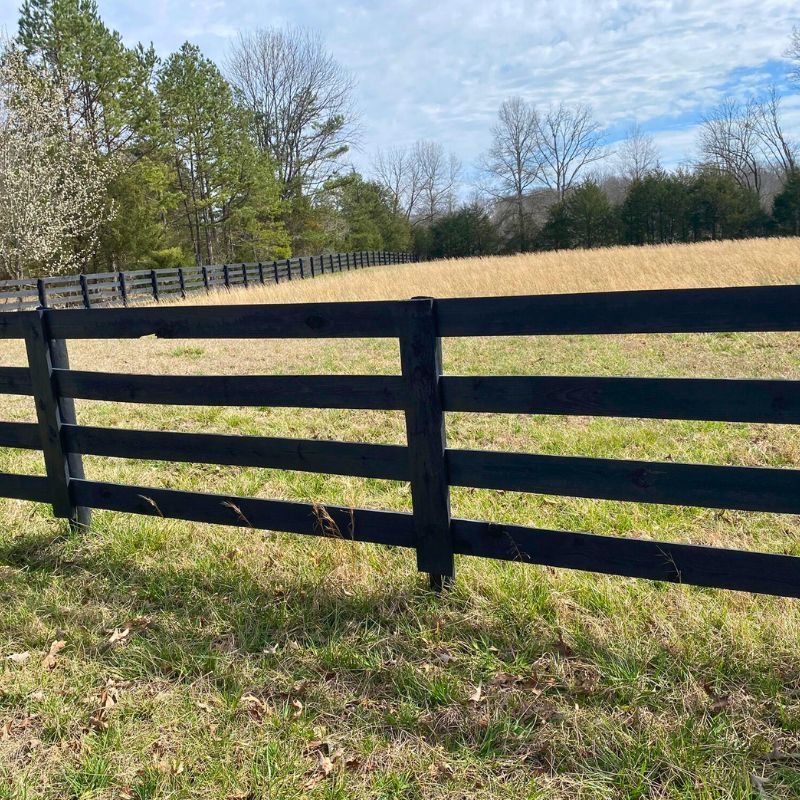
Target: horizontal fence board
[
  {"x": 13, "y": 325},
  {"x": 381, "y": 392},
  {"x": 20, "y": 283},
  {"x": 15, "y": 380},
  {"x": 719, "y": 399},
  {"x": 96, "y": 287},
  {"x": 741, "y": 488},
  {"x": 697, "y": 565},
  {"x": 24, "y": 435},
  {"x": 360, "y": 525},
  {"x": 742, "y": 309},
  {"x": 312, "y": 320},
  {"x": 18, "y": 294},
  {"x": 96, "y": 276},
  {"x": 306, "y": 455},
  {"x": 24, "y": 487},
  {"x": 677, "y": 563}
]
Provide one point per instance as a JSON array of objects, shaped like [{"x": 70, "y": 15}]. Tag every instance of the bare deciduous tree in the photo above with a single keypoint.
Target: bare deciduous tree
[
  {"x": 637, "y": 155},
  {"x": 301, "y": 100},
  {"x": 569, "y": 139},
  {"x": 747, "y": 140},
  {"x": 53, "y": 187},
  {"x": 438, "y": 179},
  {"x": 779, "y": 151},
  {"x": 511, "y": 164},
  {"x": 399, "y": 173},
  {"x": 729, "y": 141}
]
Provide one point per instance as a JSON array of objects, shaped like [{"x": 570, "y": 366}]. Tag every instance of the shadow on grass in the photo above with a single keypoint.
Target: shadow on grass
[{"x": 390, "y": 657}]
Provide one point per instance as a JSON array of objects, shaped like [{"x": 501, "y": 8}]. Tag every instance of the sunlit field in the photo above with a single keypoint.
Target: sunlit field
[
  {"x": 730, "y": 263},
  {"x": 211, "y": 662}
]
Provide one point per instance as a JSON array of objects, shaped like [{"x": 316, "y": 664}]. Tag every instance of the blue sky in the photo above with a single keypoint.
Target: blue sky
[{"x": 439, "y": 69}]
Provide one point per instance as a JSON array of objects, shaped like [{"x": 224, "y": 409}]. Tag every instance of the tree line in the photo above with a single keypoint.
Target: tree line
[
  {"x": 548, "y": 182},
  {"x": 115, "y": 157}
]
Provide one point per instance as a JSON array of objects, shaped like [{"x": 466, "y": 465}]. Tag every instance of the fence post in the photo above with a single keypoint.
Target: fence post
[
  {"x": 226, "y": 274},
  {"x": 40, "y": 290},
  {"x": 244, "y": 275},
  {"x": 302, "y": 274},
  {"x": 339, "y": 259},
  {"x": 154, "y": 282},
  {"x": 289, "y": 268},
  {"x": 261, "y": 273},
  {"x": 275, "y": 270},
  {"x": 311, "y": 258},
  {"x": 182, "y": 282},
  {"x": 84, "y": 291},
  {"x": 123, "y": 289},
  {"x": 45, "y": 355},
  {"x": 421, "y": 362},
  {"x": 205, "y": 279}
]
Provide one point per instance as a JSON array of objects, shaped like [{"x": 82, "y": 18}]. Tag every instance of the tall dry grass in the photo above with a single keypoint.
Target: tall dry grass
[{"x": 730, "y": 263}]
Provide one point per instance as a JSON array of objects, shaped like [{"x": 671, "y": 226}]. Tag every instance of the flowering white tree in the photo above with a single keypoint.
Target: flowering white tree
[{"x": 53, "y": 186}]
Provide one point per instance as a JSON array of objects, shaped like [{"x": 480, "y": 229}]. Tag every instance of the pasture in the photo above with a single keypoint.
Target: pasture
[{"x": 201, "y": 661}]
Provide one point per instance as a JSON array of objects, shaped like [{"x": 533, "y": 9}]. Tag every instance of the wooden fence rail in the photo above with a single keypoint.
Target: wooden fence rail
[
  {"x": 143, "y": 286},
  {"x": 425, "y": 395}
]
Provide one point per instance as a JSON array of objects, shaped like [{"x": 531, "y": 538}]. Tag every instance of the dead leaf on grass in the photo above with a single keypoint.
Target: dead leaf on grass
[
  {"x": 19, "y": 658},
  {"x": 49, "y": 661}
]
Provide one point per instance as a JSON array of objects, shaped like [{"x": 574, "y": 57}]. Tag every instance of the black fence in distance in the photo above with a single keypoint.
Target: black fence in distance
[{"x": 95, "y": 290}]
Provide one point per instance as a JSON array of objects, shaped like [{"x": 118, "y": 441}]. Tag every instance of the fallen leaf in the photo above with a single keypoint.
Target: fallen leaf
[
  {"x": 255, "y": 706},
  {"x": 19, "y": 658},
  {"x": 720, "y": 704},
  {"x": 226, "y": 643},
  {"x": 298, "y": 708},
  {"x": 56, "y": 647},
  {"x": 776, "y": 754},
  {"x": 5, "y": 730},
  {"x": 97, "y": 721},
  {"x": 504, "y": 679},
  {"x": 325, "y": 765},
  {"x": 119, "y": 634},
  {"x": 107, "y": 699},
  {"x": 758, "y": 785},
  {"x": 476, "y": 696},
  {"x": 443, "y": 656}
]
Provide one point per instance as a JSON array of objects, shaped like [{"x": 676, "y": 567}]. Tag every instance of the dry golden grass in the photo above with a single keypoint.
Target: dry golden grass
[{"x": 730, "y": 263}]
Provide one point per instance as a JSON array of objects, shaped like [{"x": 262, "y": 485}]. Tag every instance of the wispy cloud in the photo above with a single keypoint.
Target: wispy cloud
[{"x": 440, "y": 69}]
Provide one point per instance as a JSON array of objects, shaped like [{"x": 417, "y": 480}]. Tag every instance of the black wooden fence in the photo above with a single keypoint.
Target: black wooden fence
[
  {"x": 146, "y": 285},
  {"x": 424, "y": 394}
]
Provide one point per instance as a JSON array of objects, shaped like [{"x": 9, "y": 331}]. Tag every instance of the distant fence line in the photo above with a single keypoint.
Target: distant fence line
[
  {"x": 424, "y": 394},
  {"x": 146, "y": 285}
]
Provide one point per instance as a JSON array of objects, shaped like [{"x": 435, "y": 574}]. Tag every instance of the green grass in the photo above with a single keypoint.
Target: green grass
[{"x": 264, "y": 665}]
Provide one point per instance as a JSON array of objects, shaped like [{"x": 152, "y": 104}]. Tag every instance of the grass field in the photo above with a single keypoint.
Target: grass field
[{"x": 210, "y": 662}]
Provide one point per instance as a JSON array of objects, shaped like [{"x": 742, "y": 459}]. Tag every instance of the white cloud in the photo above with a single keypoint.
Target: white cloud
[{"x": 440, "y": 69}]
